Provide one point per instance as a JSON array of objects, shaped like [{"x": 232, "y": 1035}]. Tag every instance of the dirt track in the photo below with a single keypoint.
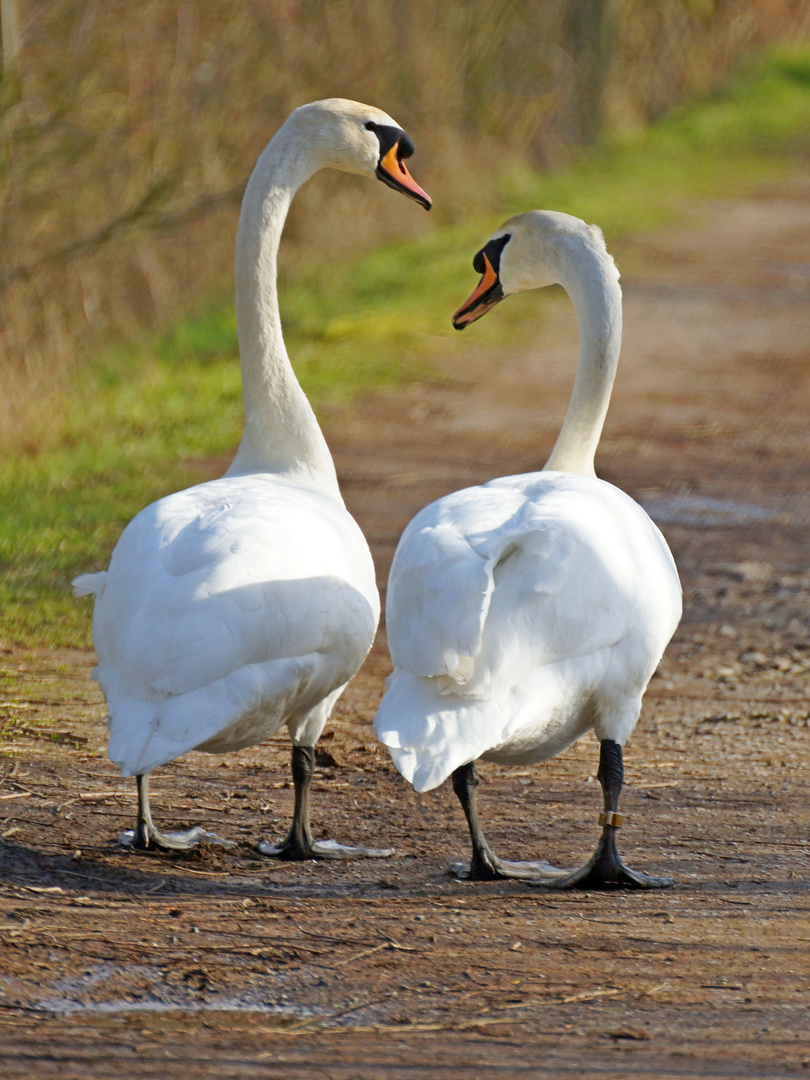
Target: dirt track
[{"x": 222, "y": 965}]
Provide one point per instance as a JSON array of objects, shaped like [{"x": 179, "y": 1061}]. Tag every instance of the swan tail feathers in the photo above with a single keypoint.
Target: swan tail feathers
[
  {"x": 89, "y": 584},
  {"x": 429, "y": 734},
  {"x": 236, "y": 711}
]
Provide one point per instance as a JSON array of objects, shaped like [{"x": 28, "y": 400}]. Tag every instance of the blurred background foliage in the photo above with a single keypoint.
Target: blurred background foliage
[{"x": 127, "y": 132}]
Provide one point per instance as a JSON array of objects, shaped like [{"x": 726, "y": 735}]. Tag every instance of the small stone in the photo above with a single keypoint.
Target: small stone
[{"x": 754, "y": 573}]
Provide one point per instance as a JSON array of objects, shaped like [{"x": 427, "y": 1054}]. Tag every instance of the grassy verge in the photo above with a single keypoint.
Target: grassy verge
[{"x": 148, "y": 419}]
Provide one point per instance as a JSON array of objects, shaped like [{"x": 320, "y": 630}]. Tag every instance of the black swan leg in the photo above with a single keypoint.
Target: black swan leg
[
  {"x": 605, "y": 869},
  {"x": 485, "y": 865},
  {"x": 146, "y": 837},
  {"x": 298, "y": 844}
]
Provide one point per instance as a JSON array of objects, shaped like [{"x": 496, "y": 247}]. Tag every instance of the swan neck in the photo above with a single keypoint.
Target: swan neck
[
  {"x": 597, "y": 298},
  {"x": 281, "y": 433}
]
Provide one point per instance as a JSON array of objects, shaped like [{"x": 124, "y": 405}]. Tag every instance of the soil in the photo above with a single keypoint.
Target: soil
[{"x": 223, "y": 964}]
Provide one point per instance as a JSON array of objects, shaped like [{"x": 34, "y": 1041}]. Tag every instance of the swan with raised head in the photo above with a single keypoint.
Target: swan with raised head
[
  {"x": 524, "y": 613},
  {"x": 249, "y": 602}
]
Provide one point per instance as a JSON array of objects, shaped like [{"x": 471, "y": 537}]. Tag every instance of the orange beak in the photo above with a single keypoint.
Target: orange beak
[
  {"x": 392, "y": 171},
  {"x": 486, "y": 295}
]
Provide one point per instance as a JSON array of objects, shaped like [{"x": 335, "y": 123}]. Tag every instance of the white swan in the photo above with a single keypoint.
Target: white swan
[
  {"x": 248, "y": 602},
  {"x": 523, "y": 613}
]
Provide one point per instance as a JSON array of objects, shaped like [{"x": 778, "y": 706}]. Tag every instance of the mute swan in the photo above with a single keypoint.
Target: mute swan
[
  {"x": 527, "y": 611},
  {"x": 250, "y": 601}
]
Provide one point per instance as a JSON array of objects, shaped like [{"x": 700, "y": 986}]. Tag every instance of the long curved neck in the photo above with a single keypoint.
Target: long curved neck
[
  {"x": 597, "y": 298},
  {"x": 281, "y": 432}
]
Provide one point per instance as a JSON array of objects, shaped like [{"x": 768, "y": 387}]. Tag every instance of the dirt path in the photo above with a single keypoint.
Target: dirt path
[{"x": 227, "y": 966}]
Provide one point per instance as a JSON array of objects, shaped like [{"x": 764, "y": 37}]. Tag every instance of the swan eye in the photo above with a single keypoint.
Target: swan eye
[{"x": 371, "y": 126}]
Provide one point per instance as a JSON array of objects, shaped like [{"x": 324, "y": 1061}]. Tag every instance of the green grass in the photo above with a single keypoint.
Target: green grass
[{"x": 148, "y": 419}]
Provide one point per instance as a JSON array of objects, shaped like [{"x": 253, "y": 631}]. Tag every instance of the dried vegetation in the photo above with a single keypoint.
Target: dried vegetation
[{"x": 127, "y": 133}]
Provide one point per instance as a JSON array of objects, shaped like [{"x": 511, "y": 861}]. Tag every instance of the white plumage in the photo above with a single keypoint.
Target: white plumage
[
  {"x": 527, "y": 611},
  {"x": 521, "y": 614},
  {"x": 249, "y": 602},
  {"x": 229, "y": 609}
]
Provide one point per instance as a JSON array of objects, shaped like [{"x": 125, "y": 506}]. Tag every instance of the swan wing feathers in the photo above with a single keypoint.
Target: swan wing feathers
[
  {"x": 89, "y": 584},
  {"x": 517, "y": 584},
  {"x": 440, "y": 586},
  {"x": 552, "y": 558},
  {"x": 239, "y": 593}
]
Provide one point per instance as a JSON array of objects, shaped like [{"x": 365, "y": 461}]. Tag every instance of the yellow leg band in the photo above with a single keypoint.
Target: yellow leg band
[{"x": 611, "y": 818}]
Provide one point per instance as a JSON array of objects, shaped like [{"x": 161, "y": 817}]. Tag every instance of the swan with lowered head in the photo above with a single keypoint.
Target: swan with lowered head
[
  {"x": 524, "y": 613},
  {"x": 249, "y": 602}
]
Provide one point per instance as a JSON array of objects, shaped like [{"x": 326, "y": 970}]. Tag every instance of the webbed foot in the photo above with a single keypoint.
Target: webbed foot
[
  {"x": 145, "y": 837},
  {"x": 605, "y": 870},
  {"x": 298, "y": 845},
  {"x": 152, "y": 839},
  {"x": 297, "y": 851},
  {"x": 489, "y": 867}
]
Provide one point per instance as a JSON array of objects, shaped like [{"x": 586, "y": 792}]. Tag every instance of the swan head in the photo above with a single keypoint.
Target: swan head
[
  {"x": 360, "y": 139},
  {"x": 530, "y": 251}
]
